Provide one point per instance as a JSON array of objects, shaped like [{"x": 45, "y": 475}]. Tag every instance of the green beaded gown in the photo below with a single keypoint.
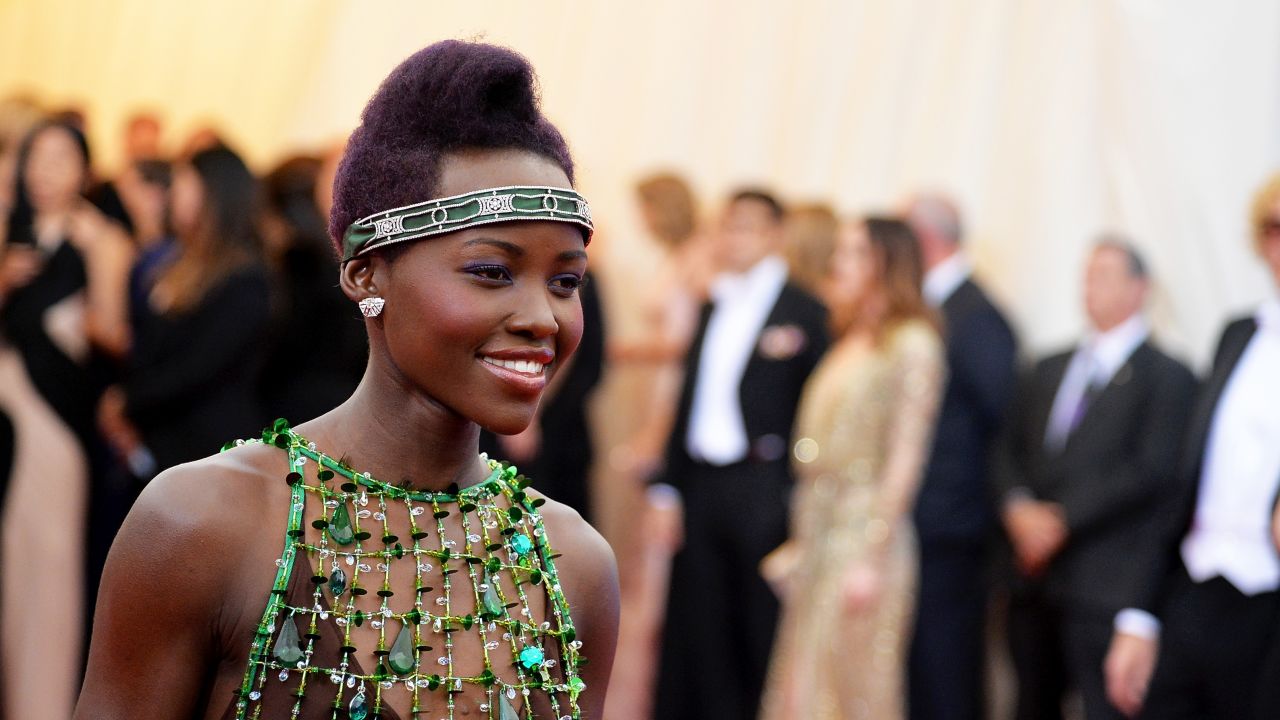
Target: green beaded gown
[{"x": 390, "y": 603}]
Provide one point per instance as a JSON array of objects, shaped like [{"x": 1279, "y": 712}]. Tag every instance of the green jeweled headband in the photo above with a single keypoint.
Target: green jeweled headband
[{"x": 449, "y": 214}]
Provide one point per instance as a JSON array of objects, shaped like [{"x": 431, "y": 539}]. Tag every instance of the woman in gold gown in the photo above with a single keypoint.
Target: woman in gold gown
[{"x": 847, "y": 574}]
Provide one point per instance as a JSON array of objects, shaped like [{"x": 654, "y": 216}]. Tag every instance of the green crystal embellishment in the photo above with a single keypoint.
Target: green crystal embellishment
[
  {"x": 288, "y": 647},
  {"x": 358, "y": 709},
  {"x": 401, "y": 657},
  {"x": 531, "y": 657},
  {"x": 521, "y": 544},
  {"x": 337, "y": 582},
  {"x": 493, "y": 606},
  {"x": 340, "y": 526},
  {"x": 505, "y": 711}
]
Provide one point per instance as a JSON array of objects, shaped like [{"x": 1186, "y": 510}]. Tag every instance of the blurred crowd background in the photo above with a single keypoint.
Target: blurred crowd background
[{"x": 167, "y": 283}]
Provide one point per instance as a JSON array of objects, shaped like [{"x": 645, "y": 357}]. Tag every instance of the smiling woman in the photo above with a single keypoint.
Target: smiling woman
[{"x": 240, "y": 585}]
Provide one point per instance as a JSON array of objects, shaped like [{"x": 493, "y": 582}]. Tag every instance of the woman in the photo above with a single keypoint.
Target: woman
[
  {"x": 670, "y": 308},
  {"x": 417, "y": 578},
  {"x": 847, "y": 573},
  {"x": 62, "y": 312},
  {"x": 192, "y": 374}
]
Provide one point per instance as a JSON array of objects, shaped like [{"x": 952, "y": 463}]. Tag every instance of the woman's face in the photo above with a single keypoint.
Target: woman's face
[
  {"x": 479, "y": 320},
  {"x": 853, "y": 264},
  {"x": 55, "y": 173},
  {"x": 187, "y": 197}
]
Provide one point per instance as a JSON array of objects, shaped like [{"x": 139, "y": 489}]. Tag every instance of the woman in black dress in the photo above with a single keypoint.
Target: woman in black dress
[
  {"x": 62, "y": 313},
  {"x": 191, "y": 380}
]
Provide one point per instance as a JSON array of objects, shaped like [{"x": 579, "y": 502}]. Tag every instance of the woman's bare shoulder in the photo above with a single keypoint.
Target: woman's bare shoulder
[
  {"x": 587, "y": 567},
  {"x": 219, "y": 499},
  {"x": 588, "y": 574},
  {"x": 575, "y": 538}
]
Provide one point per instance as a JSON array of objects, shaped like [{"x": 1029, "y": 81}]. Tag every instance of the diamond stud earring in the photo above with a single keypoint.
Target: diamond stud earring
[{"x": 372, "y": 306}]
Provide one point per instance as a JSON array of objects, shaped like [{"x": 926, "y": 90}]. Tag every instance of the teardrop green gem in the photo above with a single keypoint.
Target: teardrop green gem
[
  {"x": 492, "y": 603},
  {"x": 337, "y": 582},
  {"x": 288, "y": 647},
  {"x": 401, "y": 657},
  {"x": 340, "y": 526},
  {"x": 505, "y": 711},
  {"x": 358, "y": 709}
]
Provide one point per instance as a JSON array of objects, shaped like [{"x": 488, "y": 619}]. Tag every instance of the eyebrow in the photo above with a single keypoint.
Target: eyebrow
[
  {"x": 511, "y": 248},
  {"x": 516, "y": 251}
]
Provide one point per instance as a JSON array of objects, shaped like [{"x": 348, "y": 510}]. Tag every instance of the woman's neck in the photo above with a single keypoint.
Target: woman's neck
[
  {"x": 870, "y": 315},
  {"x": 395, "y": 433}
]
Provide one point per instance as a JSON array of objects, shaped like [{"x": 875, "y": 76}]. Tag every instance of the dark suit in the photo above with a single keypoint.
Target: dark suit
[
  {"x": 1113, "y": 479},
  {"x": 954, "y": 514},
  {"x": 1215, "y": 641},
  {"x": 721, "y": 615}
]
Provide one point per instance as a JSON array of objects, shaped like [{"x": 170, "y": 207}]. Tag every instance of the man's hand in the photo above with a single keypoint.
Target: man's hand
[
  {"x": 1038, "y": 530},
  {"x": 1130, "y": 662}
]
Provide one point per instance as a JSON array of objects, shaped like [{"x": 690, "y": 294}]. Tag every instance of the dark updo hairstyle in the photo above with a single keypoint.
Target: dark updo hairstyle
[
  {"x": 22, "y": 216},
  {"x": 447, "y": 97}
]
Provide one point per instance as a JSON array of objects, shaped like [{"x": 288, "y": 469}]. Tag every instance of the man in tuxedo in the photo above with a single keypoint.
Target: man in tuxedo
[
  {"x": 757, "y": 342},
  {"x": 954, "y": 516},
  {"x": 1084, "y": 472},
  {"x": 1210, "y": 609}
]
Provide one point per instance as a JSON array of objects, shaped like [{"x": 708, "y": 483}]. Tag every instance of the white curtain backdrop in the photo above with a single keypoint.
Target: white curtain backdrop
[{"x": 1049, "y": 121}]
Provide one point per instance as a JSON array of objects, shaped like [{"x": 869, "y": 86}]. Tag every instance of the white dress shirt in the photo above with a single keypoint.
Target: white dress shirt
[
  {"x": 1231, "y": 533},
  {"x": 941, "y": 282},
  {"x": 1097, "y": 360},
  {"x": 717, "y": 433}
]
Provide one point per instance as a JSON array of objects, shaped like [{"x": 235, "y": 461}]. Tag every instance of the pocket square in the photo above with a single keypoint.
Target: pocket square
[{"x": 782, "y": 342}]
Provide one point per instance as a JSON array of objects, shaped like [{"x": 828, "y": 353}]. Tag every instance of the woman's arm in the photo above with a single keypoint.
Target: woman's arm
[
  {"x": 915, "y": 393},
  {"x": 162, "y": 596},
  {"x": 917, "y": 383}
]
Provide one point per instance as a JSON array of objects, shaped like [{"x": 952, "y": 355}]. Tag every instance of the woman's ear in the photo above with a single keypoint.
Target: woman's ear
[{"x": 357, "y": 278}]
